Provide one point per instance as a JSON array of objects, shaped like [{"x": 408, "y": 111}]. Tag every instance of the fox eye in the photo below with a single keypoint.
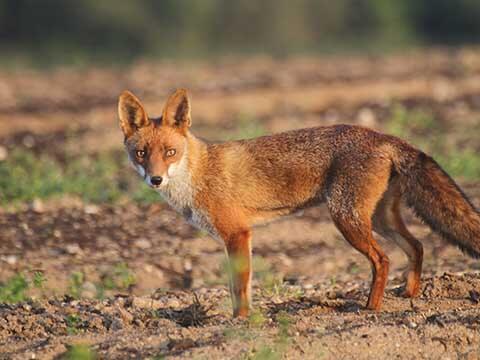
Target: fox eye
[
  {"x": 140, "y": 153},
  {"x": 170, "y": 152}
]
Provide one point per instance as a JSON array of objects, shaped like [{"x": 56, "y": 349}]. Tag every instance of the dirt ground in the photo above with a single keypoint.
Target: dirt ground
[{"x": 310, "y": 286}]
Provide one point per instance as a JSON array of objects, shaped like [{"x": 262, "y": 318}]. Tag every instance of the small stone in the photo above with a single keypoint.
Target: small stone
[
  {"x": 37, "y": 206},
  {"x": 73, "y": 249},
  {"x": 91, "y": 209},
  {"x": 412, "y": 325},
  {"x": 11, "y": 259},
  {"x": 143, "y": 244}
]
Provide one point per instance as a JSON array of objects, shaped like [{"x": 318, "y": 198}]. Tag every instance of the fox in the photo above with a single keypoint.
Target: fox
[{"x": 362, "y": 175}]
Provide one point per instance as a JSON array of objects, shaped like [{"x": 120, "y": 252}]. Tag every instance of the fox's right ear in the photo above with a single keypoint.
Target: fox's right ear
[{"x": 131, "y": 113}]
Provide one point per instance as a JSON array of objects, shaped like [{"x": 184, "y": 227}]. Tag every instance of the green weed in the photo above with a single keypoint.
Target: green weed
[
  {"x": 270, "y": 350},
  {"x": 257, "y": 319},
  {"x": 15, "y": 289},
  {"x": 73, "y": 322},
  {"x": 404, "y": 122},
  {"x": 80, "y": 352},
  {"x": 120, "y": 277},
  {"x": 38, "y": 279},
  {"x": 77, "y": 279}
]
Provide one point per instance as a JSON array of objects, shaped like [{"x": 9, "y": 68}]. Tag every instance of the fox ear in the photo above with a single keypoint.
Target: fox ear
[
  {"x": 131, "y": 113},
  {"x": 177, "y": 110}
]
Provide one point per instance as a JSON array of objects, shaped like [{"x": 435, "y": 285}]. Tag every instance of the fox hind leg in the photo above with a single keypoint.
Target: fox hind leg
[
  {"x": 351, "y": 206},
  {"x": 361, "y": 239},
  {"x": 389, "y": 224}
]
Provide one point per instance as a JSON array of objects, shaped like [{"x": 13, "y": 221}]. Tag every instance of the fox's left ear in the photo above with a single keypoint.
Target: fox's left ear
[
  {"x": 131, "y": 113},
  {"x": 177, "y": 110}
]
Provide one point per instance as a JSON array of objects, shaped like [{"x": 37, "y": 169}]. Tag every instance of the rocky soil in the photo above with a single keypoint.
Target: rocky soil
[{"x": 169, "y": 296}]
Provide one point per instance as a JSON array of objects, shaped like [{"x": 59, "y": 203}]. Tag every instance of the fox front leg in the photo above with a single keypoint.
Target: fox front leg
[{"x": 239, "y": 251}]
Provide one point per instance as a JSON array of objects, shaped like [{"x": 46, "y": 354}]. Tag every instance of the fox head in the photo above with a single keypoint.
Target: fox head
[{"x": 156, "y": 146}]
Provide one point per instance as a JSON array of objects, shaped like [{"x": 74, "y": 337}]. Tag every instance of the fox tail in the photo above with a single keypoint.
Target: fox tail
[{"x": 438, "y": 200}]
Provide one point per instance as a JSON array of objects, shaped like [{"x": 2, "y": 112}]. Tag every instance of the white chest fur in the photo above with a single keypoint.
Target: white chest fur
[{"x": 179, "y": 193}]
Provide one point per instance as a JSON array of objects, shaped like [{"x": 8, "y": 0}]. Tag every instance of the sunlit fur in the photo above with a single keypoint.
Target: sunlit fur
[{"x": 362, "y": 176}]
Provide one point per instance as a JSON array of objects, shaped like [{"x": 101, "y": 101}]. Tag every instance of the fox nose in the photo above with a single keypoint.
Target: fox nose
[{"x": 156, "y": 180}]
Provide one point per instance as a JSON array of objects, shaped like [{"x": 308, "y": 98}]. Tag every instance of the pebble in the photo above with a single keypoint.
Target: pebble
[
  {"x": 143, "y": 244},
  {"x": 10, "y": 259},
  {"x": 37, "y": 206},
  {"x": 73, "y": 249},
  {"x": 412, "y": 325},
  {"x": 91, "y": 209}
]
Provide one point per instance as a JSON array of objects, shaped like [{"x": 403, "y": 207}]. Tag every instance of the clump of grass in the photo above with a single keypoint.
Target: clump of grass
[
  {"x": 16, "y": 288},
  {"x": 117, "y": 278},
  {"x": 271, "y": 283},
  {"x": 120, "y": 277},
  {"x": 38, "y": 279},
  {"x": 272, "y": 350},
  {"x": 405, "y": 123},
  {"x": 257, "y": 319},
  {"x": 80, "y": 352},
  {"x": 265, "y": 352},
  {"x": 73, "y": 322},
  {"x": 264, "y": 273},
  {"x": 461, "y": 162},
  {"x": 77, "y": 279}
]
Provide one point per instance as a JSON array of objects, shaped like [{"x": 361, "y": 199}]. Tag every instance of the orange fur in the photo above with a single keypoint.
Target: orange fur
[{"x": 362, "y": 175}]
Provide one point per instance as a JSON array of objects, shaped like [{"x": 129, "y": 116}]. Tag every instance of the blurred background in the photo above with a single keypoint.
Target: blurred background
[
  {"x": 78, "y": 32},
  {"x": 76, "y": 219}
]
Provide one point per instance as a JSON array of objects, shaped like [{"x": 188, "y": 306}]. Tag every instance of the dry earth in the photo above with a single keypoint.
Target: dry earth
[{"x": 179, "y": 306}]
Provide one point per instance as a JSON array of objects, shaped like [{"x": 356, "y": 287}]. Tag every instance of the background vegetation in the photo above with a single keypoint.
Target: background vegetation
[{"x": 70, "y": 31}]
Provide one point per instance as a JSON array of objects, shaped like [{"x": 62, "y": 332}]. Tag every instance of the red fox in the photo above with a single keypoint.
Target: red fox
[{"x": 362, "y": 175}]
